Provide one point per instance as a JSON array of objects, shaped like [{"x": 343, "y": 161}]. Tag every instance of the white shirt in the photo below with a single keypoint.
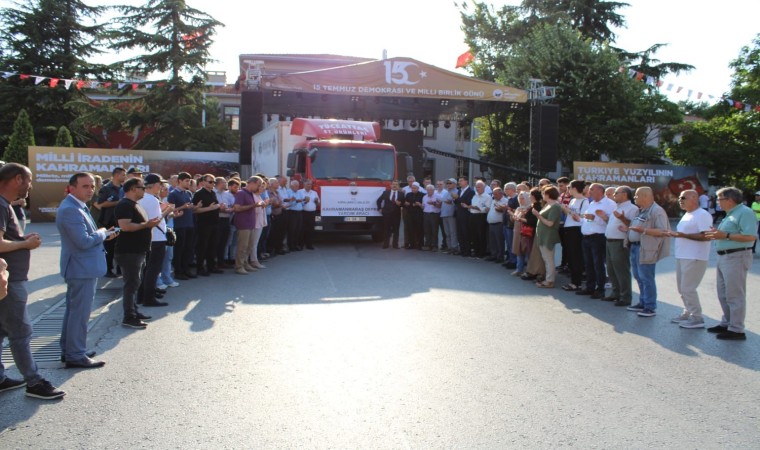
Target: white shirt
[
  {"x": 597, "y": 226},
  {"x": 313, "y": 197},
  {"x": 482, "y": 201},
  {"x": 152, "y": 208},
  {"x": 427, "y": 207},
  {"x": 227, "y": 198},
  {"x": 630, "y": 211},
  {"x": 694, "y": 222},
  {"x": 704, "y": 201},
  {"x": 576, "y": 205},
  {"x": 496, "y": 216}
]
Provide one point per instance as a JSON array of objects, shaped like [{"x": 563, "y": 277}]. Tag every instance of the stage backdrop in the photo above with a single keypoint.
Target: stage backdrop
[
  {"x": 53, "y": 166},
  {"x": 666, "y": 181}
]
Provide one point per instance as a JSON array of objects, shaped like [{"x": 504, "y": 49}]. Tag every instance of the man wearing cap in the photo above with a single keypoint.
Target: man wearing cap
[
  {"x": 155, "y": 258},
  {"x": 733, "y": 240},
  {"x": 184, "y": 226}
]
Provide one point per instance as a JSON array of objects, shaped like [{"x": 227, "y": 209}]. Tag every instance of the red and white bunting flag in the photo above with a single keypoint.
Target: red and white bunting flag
[
  {"x": 680, "y": 88},
  {"x": 135, "y": 86},
  {"x": 80, "y": 84},
  {"x": 54, "y": 82},
  {"x": 68, "y": 83},
  {"x": 38, "y": 80},
  {"x": 699, "y": 95}
]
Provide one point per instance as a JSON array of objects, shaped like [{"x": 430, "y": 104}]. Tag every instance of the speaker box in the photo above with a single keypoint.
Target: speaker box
[
  {"x": 546, "y": 133},
  {"x": 251, "y": 121}
]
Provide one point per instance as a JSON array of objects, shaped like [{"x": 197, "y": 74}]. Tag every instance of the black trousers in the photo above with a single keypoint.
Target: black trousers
[
  {"x": 277, "y": 230},
  {"x": 478, "y": 230},
  {"x": 391, "y": 225},
  {"x": 573, "y": 246},
  {"x": 153, "y": 263},
  {"x": 308, "y": 227},
  {"x": 295, "y": 230},
  {"x": 110, "y": 247},
  {"x": 207, "y": 238},
  {"x": 183, "y": 249},
  {"x": 414, "y": 240},
  {"x": 223, "y": 231},
  {"x": 463, "y": 234}
]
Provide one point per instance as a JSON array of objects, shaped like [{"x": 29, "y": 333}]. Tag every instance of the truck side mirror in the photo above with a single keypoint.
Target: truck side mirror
[
  {"x": 291, "y": 161},
  {"x": 290, "y": 172},
  {"x": 409, "y": 163}
]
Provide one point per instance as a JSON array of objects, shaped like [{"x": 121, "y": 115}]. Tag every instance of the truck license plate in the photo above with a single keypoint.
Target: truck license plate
[{"x": 356, "y": 219}]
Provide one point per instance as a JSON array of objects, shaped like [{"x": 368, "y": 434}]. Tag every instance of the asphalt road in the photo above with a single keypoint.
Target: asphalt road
[{"x": 352, "y": 346}]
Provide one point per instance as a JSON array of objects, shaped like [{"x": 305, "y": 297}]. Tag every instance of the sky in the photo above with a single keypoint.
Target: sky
[{"x": 707, "y": 37}]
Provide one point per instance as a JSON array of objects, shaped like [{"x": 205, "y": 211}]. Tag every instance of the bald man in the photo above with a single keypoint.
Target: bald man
[
  {"x": 692, "y": 253},
  {"x": 647, "y": 237}
]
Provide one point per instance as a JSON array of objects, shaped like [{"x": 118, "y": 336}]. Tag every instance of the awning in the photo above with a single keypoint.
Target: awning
[
  {"x": 393, "y": 88},
  {"x": 397, "y": 77}
]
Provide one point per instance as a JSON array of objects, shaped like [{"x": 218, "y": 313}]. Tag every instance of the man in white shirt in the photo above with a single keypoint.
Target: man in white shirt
[
  {"x": 478, "y": 225},
  {"x": 226, "y": 200},
  {"x": 147, "y": 295},
  {"x": 495, "y": 219},
  {"x": 692, "y": 253},
  {"x": 618, "y": 256},
  {"x": 594, "y": 242},
  {"x": 447, "y": 214},
  {"x": 310, "y": 200},
  {"x": 431, "y": 214}
]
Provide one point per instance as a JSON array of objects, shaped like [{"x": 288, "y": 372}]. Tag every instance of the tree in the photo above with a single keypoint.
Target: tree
[
  {"x": 602, "y": 111},
  {"x": 728, "y": 142},
  {"x": 48, "y": 38},
  {"x": 64, "y": 139},
  {"x": 20, "y": 141},
  {"x": 178, "y": 37}
]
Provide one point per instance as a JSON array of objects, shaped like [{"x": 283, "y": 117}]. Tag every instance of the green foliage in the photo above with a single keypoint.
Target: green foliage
[
  {"x": 20, "y": 141},
  {"x": 64, "y": 139},
  {"x": 177, "y": 36},
  {"x": 728, "y": 142},
  {"x": 51, "y": 38},
  {"x": 565, "y": 44}
]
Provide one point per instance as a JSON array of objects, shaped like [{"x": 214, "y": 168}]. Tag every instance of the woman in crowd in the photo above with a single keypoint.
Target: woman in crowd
[
  {"x": 535, "y": 269},
  {"x": 260, "y": 222},
  {"x": 522, "y": 241},
  {"x": 573, "y": 235},
  {"x": 547, "y": 232}
]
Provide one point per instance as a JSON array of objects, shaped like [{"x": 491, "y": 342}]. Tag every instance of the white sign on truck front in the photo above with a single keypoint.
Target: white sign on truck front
[{"x": 350, "y": 201}]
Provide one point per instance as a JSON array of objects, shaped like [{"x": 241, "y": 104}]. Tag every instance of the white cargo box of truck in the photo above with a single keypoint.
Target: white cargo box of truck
[{"x": 270, "y": 148}]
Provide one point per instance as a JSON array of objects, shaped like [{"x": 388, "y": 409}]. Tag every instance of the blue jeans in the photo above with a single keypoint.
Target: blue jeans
[
  {"x": 644, "y": 275},
  {"x": 16, "y": 326},
  {"x": 509, "y": 235},
  {"x": 165, "y": 277},
  {"x": 522, "y": 261}
]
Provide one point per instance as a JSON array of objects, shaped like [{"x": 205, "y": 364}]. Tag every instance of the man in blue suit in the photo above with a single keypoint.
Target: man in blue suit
[{"x": 83, "y": 260}]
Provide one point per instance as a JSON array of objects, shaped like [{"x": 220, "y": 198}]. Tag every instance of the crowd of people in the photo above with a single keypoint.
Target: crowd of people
[
  {"x": 155, "y": 232},
  {"x": 608, "y": 236}
]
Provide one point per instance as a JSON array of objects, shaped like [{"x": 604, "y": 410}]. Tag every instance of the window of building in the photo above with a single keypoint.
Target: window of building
[{"x": 232, "y": 117}]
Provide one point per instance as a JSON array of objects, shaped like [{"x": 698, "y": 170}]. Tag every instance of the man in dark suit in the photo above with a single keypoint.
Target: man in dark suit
[
  {"x": 462, "y": 214},
  {"x": 389, "y": 203},
  {"x": 83, "y": 260}
]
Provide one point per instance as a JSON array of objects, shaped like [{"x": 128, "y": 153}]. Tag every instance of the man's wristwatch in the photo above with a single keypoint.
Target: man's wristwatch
[{"x": 728, "y": 236}]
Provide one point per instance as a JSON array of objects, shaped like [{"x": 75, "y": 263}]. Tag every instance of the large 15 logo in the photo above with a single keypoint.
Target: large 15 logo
[{"x": 397, "y": 72}]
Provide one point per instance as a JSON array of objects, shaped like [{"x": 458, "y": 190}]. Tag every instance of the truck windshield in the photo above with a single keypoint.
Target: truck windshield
[{"x": 353, "y": 163}]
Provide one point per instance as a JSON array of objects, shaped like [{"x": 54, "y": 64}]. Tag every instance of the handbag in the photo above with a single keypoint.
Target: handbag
[
  {"x": 171, "y": 236},
  {"x": 526, "y": 231}
]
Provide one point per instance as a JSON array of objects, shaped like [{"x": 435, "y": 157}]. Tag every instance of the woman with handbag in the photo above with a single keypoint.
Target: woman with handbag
[
  {"x": 547, "y": 232},
  {"x": 525, "y": 226}
]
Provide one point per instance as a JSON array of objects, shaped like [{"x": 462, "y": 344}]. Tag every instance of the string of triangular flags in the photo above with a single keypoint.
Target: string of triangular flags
[
  {"x": 652, "y": 81},
  {"x": 89, "y": 84}
]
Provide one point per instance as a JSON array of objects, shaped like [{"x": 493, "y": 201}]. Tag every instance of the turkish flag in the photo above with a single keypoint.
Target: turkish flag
[
  {"x": 464, "y": 59},
  {"x": 679, "y": 185}
]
